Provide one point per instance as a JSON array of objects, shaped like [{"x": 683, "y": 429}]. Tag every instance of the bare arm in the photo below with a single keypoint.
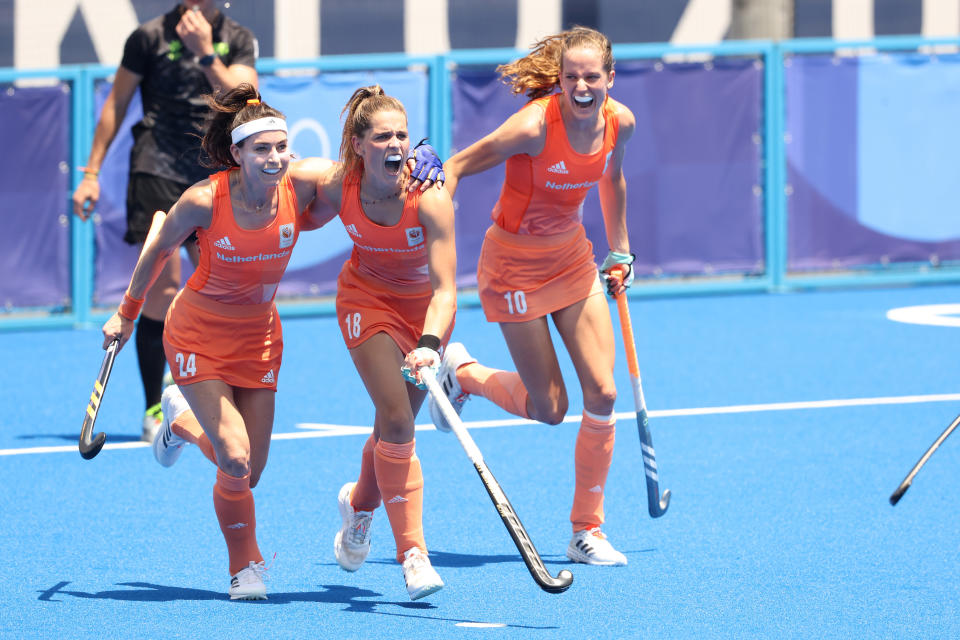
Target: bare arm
[
  {"x": 125, "y": 84},
  {"x": 194, "y": 209},
  {"x": 436, "y": 214},
  {"x": 523, "y": 132},
  {"x": 309, "y": 177},
  {"x": 612, "y": 189}
]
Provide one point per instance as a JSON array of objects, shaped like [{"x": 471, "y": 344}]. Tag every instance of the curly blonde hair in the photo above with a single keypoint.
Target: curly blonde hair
[{"x": 538, "y": 73}]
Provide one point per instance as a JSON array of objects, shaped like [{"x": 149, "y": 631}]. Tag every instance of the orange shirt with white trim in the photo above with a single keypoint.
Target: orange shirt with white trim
[
  {"x": 244, "y": 266},
  {"x": 544, "y": 194},
  {"x": 396, "y": 254}
]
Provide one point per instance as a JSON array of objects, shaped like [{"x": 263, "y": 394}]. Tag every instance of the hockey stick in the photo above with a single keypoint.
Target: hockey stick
[
  {"x": 656, "y": 505},
  {"x": 90, "y": 445},
  {"x": 520, "y": 538},
  {"x": 895, "y": 498}
]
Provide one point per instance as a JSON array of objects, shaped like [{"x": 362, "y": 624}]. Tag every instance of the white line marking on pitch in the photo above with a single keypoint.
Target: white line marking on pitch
[
  {"x": 482, "y": 625},
  {"x": 321, "y": 430}
]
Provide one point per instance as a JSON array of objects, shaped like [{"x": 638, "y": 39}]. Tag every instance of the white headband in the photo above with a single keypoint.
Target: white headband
[{"x": 247, "y": 129}]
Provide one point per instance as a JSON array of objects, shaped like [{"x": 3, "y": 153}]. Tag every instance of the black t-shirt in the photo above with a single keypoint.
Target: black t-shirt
[{"x": 167, "y": 140}]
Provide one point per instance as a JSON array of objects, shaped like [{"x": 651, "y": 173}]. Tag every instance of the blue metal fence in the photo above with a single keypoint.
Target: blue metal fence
[{"x": 775, "y": 276}]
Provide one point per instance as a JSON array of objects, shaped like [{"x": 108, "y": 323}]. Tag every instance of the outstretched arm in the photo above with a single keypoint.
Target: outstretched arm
[{"x": 523, "y": 132}]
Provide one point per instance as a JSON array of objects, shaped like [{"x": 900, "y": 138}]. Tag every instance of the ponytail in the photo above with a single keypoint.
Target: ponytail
[{"x": 228, "y": 111}]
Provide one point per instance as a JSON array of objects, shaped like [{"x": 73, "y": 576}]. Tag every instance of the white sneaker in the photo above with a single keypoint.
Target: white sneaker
[
  {"x": 422, "y": 579},
  {"x": 248, "y": 583},
  {"x": 590, "y": 546},
  {"x": 151, "y": 423},
  {"x": 167, "y": 446},
  {"x": 454, "y": 357},
  {"x": 352, "y": 543}
]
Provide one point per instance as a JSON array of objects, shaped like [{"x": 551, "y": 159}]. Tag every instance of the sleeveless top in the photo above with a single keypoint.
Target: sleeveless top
[
  {"x": 395, "y": 254},
  {"x": 244, "y": 266},
  {"x": 544, "y": 194}
]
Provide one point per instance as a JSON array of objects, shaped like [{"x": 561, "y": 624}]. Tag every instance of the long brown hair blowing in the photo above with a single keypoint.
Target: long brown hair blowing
[
  {"x": 538, "y": 73},
  {"x": 360, "y": 109},
  {"x": 227, "y": 112}
]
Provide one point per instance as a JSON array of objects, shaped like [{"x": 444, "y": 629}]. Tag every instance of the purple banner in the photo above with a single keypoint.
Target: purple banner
[
  {"x": 34, "y": 180},
  {"x": 872, "y": 180},
  {"x": 693, "y": 166}
]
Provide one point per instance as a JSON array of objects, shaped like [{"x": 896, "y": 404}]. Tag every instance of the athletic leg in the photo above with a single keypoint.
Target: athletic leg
[
  {"x": 587, "y": 333},
  {"x": 533, "y": 353},
  {"x": 238, "y": 423},
  {"x": 149, "y": 342},
  {"x": 398, "y": 472}
]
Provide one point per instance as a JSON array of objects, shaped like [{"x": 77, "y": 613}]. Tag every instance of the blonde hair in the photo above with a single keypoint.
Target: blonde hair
[
  {"x": 538, "y": 73},
  {"x": 360, "y": 109}
]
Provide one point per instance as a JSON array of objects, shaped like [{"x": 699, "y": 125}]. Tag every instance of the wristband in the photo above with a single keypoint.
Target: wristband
[
  {"x": 207, "y": 60},
  {"x": 130, "y": 307},
  {"x": 429, "y": 341}
]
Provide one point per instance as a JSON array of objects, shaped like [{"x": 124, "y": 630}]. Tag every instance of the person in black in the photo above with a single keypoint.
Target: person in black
[{"x": 175, "y": 59}]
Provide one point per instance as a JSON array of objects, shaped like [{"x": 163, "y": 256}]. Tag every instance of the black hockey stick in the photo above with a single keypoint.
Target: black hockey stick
[
  {"x": 90, "y": 444},
  {"x": 656, "y": 505},
  {"x": 507, "y": 513},
  {"x": 902, "y": 489}
]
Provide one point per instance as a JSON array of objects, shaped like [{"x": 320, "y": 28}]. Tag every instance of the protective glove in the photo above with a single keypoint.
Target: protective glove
[
  {"x": 613, "y": 259},
  {"x": 419, "y": 358},
  {"x": 428, "y": 166}
]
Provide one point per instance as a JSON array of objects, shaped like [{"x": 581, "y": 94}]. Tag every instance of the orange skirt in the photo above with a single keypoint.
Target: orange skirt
[
  {"x": 241, "y": 345},
  {"x": 522, "y": 277},
  {"x": 367, "y": 306}
]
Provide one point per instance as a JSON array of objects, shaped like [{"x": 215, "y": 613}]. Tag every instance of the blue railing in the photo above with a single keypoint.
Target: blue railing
[{"x": 775, "y": 277}]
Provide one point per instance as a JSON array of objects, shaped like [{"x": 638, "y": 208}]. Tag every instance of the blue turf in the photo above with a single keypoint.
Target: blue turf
[{"x": 779, "y": 525}]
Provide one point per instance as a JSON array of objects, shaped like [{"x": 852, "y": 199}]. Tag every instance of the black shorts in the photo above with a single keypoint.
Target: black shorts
[{"x": 147, "y": 194}]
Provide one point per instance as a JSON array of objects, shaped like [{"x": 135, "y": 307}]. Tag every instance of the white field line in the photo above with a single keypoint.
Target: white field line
[{"x": 321, "y": 430}]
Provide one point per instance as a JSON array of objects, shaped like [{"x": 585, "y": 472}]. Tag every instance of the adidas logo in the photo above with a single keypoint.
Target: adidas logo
[
  {"x": 352, "y": 230},
  {"x": 396, "y": 500},
  {"x": 237, "y": 525},
  {"x": 558, "y": 168},
  {"x": 596, "y": 489},
  {"x": 224, "y": 243},
  {"x": 268, "y": 379}
]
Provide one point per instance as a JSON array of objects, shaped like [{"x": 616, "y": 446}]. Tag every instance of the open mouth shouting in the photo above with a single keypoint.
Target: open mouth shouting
[
  {"x": 393, "y": 163},
  {"x": 583, "y": 102}
]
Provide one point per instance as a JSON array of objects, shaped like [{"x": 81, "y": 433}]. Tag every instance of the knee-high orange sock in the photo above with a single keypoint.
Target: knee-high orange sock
[
  {"x": 503, "y": 388},
  {"x": 592, "y": 458},
  {"x": 366, "y": 495},
  {"x": 233, "y": 503},
  {"x": 401, "y": 485},
  {"x": 187, "y": 427}
]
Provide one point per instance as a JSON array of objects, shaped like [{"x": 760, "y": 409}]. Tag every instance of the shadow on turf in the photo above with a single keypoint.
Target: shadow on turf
[
  {"x": 149, "y": 592},
  {"x": 72, "y": 437},
  {"x": 332, "y": 593}
]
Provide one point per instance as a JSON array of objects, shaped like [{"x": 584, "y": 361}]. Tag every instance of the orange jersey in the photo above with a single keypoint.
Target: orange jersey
[
  {"x": 543, "y": 194},
  {"x": 396, "y": 254},
  {"x": 244, "y": 266}
]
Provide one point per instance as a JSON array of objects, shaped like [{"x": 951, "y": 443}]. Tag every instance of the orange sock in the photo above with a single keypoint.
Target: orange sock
[
  {"x": 233, "y": 503},
  {"x": 401, "y": 486},
  {"x": 592, "y": 457},
  {"x": 187, "y": 427},
  {"x": 366, "y": 495},
  {"x": 503, "y": 388}
]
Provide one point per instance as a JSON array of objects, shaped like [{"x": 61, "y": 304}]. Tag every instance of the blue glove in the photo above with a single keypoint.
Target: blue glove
[
  {"x": 428, "y": 165},
  {"x": 613, "y": 259},
  {"x": 419, "y": 358}
]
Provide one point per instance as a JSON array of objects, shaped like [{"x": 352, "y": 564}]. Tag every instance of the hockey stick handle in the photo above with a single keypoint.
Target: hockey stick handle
[
  {"x": 508, "y": 515},
  {"x": 89, "y": 443},
  {"x": 895, "y": 497},
  {"x": 656, "y": 505}
]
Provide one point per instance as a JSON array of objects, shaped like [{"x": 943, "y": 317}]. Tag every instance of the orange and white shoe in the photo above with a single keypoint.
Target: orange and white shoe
[
  {"x": 351, "y": 545},
  {"x": 247, "y": 584},
  {"x": 420, "y": 576}
]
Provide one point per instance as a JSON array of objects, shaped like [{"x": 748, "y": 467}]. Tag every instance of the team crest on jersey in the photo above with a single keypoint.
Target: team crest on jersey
[
  {"x": 414, "y": 236},
  {"x": 286, "y": 235}
]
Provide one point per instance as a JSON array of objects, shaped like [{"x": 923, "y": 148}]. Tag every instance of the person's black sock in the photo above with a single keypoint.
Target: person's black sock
[{"x": 151, "y": 358}]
